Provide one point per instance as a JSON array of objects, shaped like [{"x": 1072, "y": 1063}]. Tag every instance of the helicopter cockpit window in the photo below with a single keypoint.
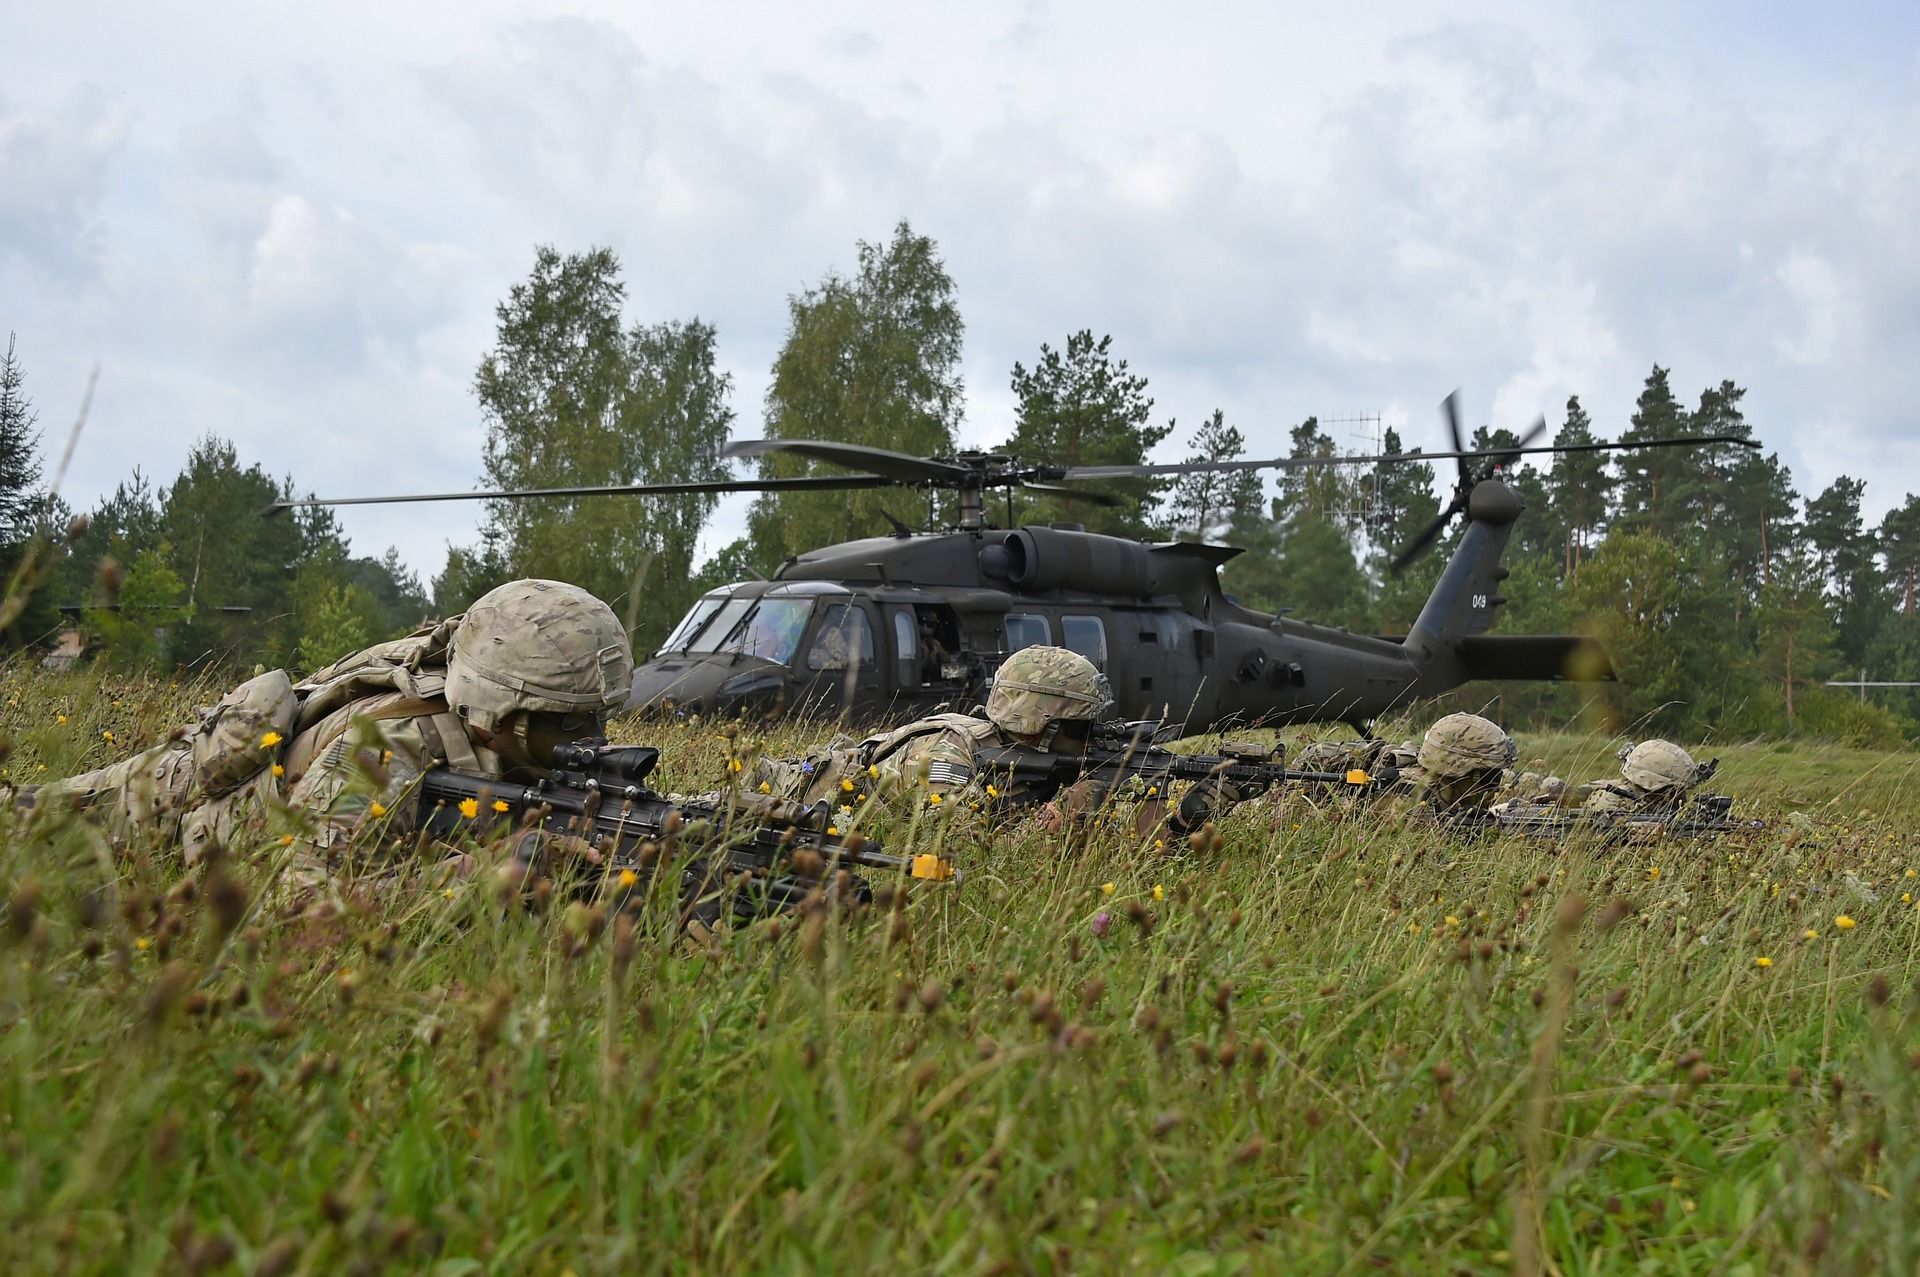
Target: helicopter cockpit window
[
  {"x": 722, "y": 625},
  {"x": 845, "y": 640},
  {"x": 1087, "y": 636},
  {"x": 771, "y": 630},
  {"x": 701, "y": 612},
  {"x": 1023, "y": 629}
]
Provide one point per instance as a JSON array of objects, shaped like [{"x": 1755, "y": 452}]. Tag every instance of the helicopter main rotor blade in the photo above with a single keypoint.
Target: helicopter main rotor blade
[
  {"x": 1450, "y": 409},
  {"x": 881, "y": 461},
  {"x": 1092, "y": 496},
  {"x": 1428, "y": 535},
  {"x": 804, "y": 483},
  {"x": 1075, "y": 473}
]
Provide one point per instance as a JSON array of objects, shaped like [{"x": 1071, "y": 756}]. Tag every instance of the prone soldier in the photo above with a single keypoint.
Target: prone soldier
[{"x": 531, "y": 665}]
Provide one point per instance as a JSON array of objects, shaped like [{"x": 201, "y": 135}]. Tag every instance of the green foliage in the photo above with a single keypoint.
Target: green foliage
[
  {"x": 20, "y": 496},
  {"x": 1081, "y": 406},
  {"x": 1328, "y": 1044},
  {"x": 1322, "y": 579},
  {"x": 1202, "y": 506},
  {"x": 1832, "y": 714},
  {"x": 153, "y": 607},
  {"x": 334, "y": 617},
  {"x": 871, "y": 360},
  {"x": 574, "y": 397}
]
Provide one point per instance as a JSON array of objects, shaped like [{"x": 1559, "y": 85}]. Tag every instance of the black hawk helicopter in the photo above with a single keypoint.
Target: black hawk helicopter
[{"x": 891, "y": 627}]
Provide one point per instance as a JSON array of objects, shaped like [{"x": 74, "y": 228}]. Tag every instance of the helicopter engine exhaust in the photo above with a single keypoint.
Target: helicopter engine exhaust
[{"x": 1049, "y": 559}]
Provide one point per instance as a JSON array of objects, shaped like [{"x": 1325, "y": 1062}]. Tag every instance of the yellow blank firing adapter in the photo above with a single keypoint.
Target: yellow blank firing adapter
[
  {"x": 1356, "y": 776},
  {"x": 928, "y": 865}
]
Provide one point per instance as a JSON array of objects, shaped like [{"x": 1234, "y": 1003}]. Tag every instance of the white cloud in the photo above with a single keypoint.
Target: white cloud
[{"x": 296, "y": 236}]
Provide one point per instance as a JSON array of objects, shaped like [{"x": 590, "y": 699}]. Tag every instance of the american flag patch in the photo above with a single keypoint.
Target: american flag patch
[{"x": 942, "y": 772}]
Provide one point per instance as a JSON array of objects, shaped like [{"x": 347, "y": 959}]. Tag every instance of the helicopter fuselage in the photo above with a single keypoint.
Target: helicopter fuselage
[{"x": 889, "y": 628}]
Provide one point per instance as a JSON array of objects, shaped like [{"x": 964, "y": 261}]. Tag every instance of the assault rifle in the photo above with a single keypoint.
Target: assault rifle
[
  {"x": 1706, "y": 816},
  {"x": 597, "y": 793},
  {"x": 1121, "y": 751}
]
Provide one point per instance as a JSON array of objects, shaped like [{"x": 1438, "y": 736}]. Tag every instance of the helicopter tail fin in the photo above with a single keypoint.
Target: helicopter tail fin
[{"x": 1464, "y": 600}]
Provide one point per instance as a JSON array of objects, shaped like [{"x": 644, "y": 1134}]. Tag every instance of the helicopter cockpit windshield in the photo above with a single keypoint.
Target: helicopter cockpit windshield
[{"x": 768, "y": 627}]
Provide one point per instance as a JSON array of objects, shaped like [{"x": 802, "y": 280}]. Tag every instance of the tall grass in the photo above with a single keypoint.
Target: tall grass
[{"x": 1325, "y": 1043}]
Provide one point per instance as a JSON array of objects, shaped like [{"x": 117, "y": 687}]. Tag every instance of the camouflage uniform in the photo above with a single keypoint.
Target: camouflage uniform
[
  {"x": 344, "y": 747},
  {"x": 1037, "y": 691}
]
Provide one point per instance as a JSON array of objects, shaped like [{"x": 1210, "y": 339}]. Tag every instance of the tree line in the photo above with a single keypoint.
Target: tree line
[{"x": 1725, "y": 596}]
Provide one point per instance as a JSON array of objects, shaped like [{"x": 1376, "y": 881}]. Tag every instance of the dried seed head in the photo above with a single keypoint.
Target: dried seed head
[
  {"x": 1167, "y": 1122},
  {"x": 1567, "y": 918},
  {"x": 1878, "y": 991},
  {"x": 1618, "y": 910},
  {"x": 1443, "y": 1073},
  {"x": 1700, "y": 1074},
  {"x": 931, "y": 995},
  {"x": 1091, "y": 992},
  {"x": 1250, "y": 1151}
]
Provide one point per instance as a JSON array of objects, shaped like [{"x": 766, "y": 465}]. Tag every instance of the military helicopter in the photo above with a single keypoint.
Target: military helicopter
[{"x": 890, "y": 627}]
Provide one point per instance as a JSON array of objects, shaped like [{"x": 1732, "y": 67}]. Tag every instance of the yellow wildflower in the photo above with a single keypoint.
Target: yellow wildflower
[
  {"x": 386, "y": 755},
  {"x": 1809, "y": 934},
  {"x": 60, "y": 719},
  {"x": 143, "y": 943},
  {"x": 766, "y": 787},
  {"x": 1653, "y": 873},
  {"x": 846, "y": 786},
  {"x": 1843, "y": 922},
  {"x": 271, "y": 739},
  {"x": 1159, "y": 892},
  {"x": 873, "y": 771},
  {"x": 1906, "y": 897},
  {"x": 1452, "y": 921},
  {"x": 377, "y": 810},
  {"x": 1763, "y": 961},
  {"x": 1107, "y": 888},
  {"x": 286, "y": 840},
  {"x": 933, "y": 800},
  {"x": 469, "y": 807},
  {"x": 833, "y": 831},
  {"x": 628, "y": 878},
  {"x": 733, "y": 764},
  {"x": 992, "y": 792},
  {"x": 107, "y": 736},
  {"x": 279, "y": 770},
  {"x": 1413, "y": 928},
  {"x": 1913, "y": 873},
  {"x": 448, "y": 893},
  {"x": 502, "y": 806}
]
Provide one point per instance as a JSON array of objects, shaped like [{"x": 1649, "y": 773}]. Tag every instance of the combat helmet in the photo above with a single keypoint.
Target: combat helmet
[
  {"x": 1461, "y": 745},
  {"x": 1657, "y": 767},
  {"x": 537, "y": 647},
  {"x": 1038, "y": 688}
]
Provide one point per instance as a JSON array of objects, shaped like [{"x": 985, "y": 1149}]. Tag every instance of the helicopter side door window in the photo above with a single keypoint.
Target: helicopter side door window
[
  {"x": 1025, "y": 629},
  {"x": 1086, "y": 635},
  {"x": 845, "y": 640}
]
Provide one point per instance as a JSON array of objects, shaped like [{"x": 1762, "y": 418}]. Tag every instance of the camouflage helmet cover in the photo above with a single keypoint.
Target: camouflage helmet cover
[
  {"x": 1461, "y": 744},
  {"x": 1037, "y": 687},
  {"x": 540, "y": 646},
  {"x": 1657, "y": 765}
]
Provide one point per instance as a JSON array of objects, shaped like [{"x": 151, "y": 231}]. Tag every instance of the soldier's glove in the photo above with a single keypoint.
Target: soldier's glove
[{"x": 1202, "y": 801}]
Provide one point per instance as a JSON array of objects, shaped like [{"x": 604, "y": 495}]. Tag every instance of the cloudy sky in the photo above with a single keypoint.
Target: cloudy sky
[{"x": 288, "y": 225}]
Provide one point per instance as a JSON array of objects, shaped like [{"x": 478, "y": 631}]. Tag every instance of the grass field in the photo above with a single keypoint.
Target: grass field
[{"x": 1326, "y": 1045}]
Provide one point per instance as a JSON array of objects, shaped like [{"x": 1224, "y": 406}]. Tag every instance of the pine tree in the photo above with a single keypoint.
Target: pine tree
[
  {"x": 1899, "y": 541},
  {"x": 1645, "y": 487},
  {"x": 1578, "y": 486},
  {"x": 1203, "y": 505},
  {"x": 1081, "y": 406},
  {"x": 20, "y": 498}
]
